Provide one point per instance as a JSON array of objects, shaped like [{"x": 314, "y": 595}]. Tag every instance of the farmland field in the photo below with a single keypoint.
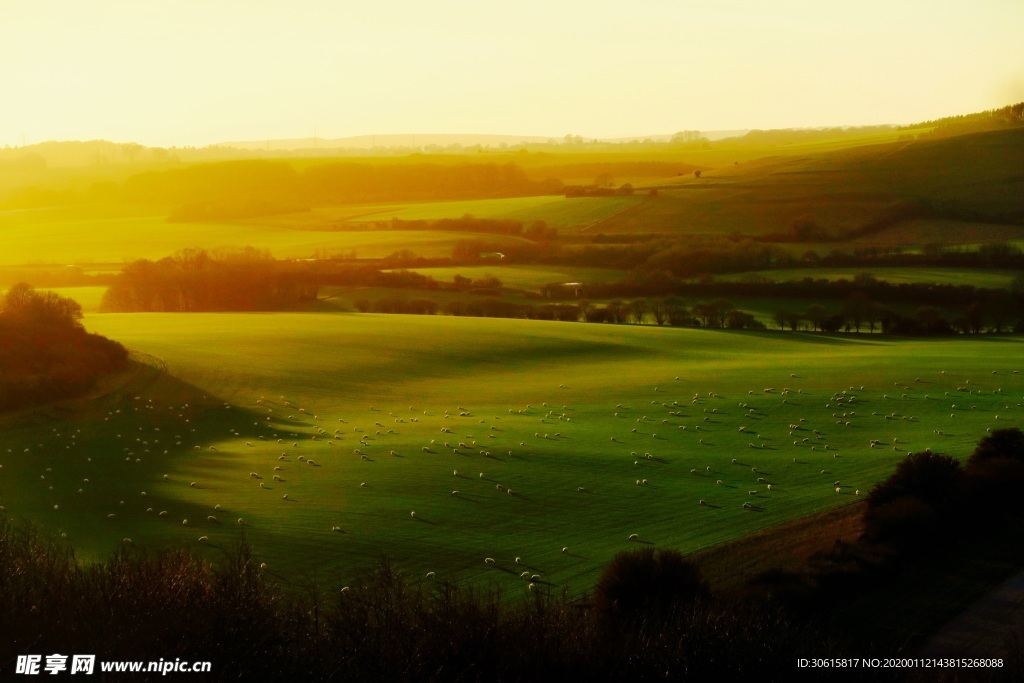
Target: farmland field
[
  {"x": 523, "y": 277},
  {"x": 566, "y": 214},
  {"x": 564, "y": 415},
  {"x": 975, "y": 277},
  {"x": 60, "y": 237},
  {"x": 113, "y": 240}
]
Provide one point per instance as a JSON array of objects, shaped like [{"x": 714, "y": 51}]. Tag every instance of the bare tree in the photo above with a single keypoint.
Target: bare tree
[{"x": 638, "y": 309}]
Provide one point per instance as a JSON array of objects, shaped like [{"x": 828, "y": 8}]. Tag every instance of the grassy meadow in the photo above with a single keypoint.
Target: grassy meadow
[
  {"x": 975, "y": 277},
  {"x": 572, "y": 418},
  {"x": 117, "y": 240},
  {"x": 555, "y": 435}
]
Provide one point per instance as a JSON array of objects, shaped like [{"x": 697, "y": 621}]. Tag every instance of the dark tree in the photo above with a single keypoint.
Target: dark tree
[
  {"x": 644, "y": 584},
  {"x": 913, "y": 506},
  {"x": 816, "y": 315},
  {"x": 660, "y": 311},
  {"x": 1002, "y": 443},
  {"x": 638, "y": 309}
]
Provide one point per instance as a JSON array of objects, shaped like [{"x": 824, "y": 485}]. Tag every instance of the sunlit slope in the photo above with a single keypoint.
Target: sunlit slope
[
  {"x": 28, "y": 239},
  {"x": 564, "y": 415},
  {"x": 94, "y": 235},
  {"x": 967, "y": 183}
]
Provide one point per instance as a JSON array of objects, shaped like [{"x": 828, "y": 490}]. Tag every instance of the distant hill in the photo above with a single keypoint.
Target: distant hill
[
  {"x": 442, "y": 140},
  {"x": 972, "y": 184},
  {"x": 415, "y": 140}
]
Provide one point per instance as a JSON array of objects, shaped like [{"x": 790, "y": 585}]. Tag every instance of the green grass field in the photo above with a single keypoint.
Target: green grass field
[
  {"x": 531, "y": 277},
  {"x": 89, "y": 236},
  {"x": 846, "y": 189},
  {"x": 568, "y": 215},
  {"x": 976, "y": 277},
  {"x": 113, "y": 240},
  {"x": 566, "y": 412}
]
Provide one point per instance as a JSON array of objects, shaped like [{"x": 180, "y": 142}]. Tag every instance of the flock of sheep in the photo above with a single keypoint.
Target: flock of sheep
[{"x": 725, "y": 445}]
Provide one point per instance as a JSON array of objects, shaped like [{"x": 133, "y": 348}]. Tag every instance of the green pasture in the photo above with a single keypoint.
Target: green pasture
[
  {"x": 570, "y": 417},
  {"x": 976, "y": 277},
  {"x": 846, "y": 189},
  {"x": 915, "y": 236},
  {"x": 62, "y": 236},
  {"x": 524, "y": 276},
  {"x": 565, "y": 214},
  {"x": 122, "y": 239}
]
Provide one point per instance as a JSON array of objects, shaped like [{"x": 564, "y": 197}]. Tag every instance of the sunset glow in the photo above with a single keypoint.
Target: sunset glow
[{"x": 196, "y": 73}]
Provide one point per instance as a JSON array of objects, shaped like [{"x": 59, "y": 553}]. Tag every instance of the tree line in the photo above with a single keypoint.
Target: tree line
[
  {"x": 718, "y": 314},
  {"x": 195, "y": 280},
  {"x": 45, "y": 353}
]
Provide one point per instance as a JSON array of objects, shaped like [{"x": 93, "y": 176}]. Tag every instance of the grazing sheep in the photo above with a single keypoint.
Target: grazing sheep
[
  {"x": 565, "y": 551},
  {"x": 184, "y": 522},
  {"x": 211, "y": 518},
  {"x": 413, "y": 514},
  {"x": 489, "y": 560},
  {"x": 702, "y": 502},
  {"x": 634, "y": 537}
]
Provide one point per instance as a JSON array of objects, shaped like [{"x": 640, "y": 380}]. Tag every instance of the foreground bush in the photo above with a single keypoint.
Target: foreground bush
[{"x": 140, "y": 606}]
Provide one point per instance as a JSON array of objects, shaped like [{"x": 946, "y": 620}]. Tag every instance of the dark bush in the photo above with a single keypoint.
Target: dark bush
[
  {"x": 1002, "y": 443},
  {"x": 645, "y": 583},
  {"x": 916, "y": 505}
]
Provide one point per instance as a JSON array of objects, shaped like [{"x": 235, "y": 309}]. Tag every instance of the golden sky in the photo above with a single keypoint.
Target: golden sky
[{"x": 195, "y": 72}]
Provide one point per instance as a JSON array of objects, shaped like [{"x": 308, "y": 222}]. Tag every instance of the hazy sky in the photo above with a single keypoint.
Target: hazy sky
[{"x": 180, "y": 72}]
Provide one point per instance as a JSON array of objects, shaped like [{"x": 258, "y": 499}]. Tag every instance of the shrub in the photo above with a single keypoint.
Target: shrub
[
  {"x": 644, "y": 583},
  {"x": 1002, "y": 443},
  {"x": 915, "y": 505}
]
